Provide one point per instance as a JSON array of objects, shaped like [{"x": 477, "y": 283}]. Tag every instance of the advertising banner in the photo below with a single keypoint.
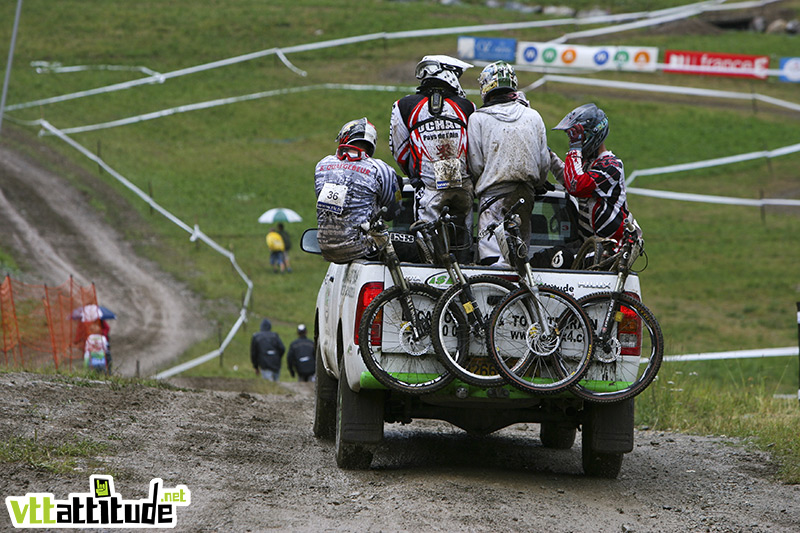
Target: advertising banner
[
  {"x": 638, "y": 58},
  {"x": 487, "y": 49},
  {"x": 716, "y": 64},
  {"x": 790, "y": 69}
]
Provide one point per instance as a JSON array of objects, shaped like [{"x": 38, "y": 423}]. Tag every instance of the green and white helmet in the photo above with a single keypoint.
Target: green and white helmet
[{"x": 495, "y": 76}]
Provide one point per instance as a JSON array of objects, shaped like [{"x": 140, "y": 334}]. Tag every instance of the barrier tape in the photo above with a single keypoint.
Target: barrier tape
[
  {"x": 737, "y": 354},
  {"x": 687, "y": 10}
]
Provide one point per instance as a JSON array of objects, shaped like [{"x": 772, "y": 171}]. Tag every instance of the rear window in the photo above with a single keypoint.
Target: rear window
[{"x": 553, "y": 219}]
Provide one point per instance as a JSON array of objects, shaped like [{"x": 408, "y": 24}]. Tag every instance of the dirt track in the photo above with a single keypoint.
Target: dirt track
[
  {"x": 251, "y": 461},
  {"x": 252, "y": 464}
]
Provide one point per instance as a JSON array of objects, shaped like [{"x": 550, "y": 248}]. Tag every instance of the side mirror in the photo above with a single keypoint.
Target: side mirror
[{"x": 309, "y": 242}]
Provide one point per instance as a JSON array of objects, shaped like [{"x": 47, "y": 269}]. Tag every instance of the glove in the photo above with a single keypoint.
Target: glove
[{"x": 575, "y": 134}]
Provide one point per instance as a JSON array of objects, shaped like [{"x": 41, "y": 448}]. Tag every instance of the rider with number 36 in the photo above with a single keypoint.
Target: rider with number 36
[{"x": 351, "y": 186}]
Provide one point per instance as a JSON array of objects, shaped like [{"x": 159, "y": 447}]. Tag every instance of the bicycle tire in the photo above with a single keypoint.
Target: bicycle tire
[
  {"x": 614, "y": 375},
  {"x": 396, "y": 361},
  {"x": 452, "y": 332},
  {"x": 525, "y": 357}
]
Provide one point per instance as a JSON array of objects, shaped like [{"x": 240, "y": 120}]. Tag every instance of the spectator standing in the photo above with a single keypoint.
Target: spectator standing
[
  {"x": 266, "y": 352},
  {"x": 300, "y": 358},
  {"x": 351, "y": 186},
  {"x": 287, "y": 245},
  {"x": 428, "y": 139},
  {"x": 508, "y": 154},
  {"x": 276, "y": 250}
]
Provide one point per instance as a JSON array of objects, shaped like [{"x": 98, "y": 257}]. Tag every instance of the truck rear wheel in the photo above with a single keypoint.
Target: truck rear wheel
[
  {"x": 325, "y": 400},
  {"x": 557, "y": 436},
  {"x": 359, "y": 424},
  {"x": 607, "y": 436}
]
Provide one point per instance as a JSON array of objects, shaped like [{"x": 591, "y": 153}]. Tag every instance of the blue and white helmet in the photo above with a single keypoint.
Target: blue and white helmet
[{"x": 444, "y": 68}]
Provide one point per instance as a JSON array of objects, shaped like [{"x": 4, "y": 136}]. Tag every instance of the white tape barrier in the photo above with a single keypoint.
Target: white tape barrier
[
  {"x": 160, "y": 78},
  {"x": 195, "y": 235},
  {"x": 738, "y": 354},
  {"x": 232, "y": 100},
  {"x": 710, "y": 199},
  {"x": 46, "y": 67}
]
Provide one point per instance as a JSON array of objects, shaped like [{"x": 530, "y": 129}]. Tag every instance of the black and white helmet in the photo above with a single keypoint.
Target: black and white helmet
[
  {"x": 443, "y": 68},
  {"x": 356, "y": 130},
  {"x": 595, "y": 126}
]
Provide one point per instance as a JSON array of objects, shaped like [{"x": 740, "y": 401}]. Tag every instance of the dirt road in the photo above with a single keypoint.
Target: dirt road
[
  {"x": 56, "y": 233},
  {"x": 250, "y": 460},
  {"x": 252, "y": 464}
]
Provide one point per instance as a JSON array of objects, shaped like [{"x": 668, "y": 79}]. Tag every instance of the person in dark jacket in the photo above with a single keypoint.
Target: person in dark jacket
[
  {"x": 266, "y": 351},
  {"x": 300, "y": 358}
]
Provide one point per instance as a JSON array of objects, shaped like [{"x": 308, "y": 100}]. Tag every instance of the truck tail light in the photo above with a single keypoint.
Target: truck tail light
[
  {"x": 629, "y": 332},
  {"x": 368, "y": 293}
]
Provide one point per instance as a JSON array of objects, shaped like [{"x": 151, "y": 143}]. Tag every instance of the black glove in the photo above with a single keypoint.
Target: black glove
[{"x": 575, "y": 134}]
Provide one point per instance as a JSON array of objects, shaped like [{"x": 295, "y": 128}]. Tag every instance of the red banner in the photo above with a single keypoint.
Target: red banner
[{"x": 716, "y": 64}]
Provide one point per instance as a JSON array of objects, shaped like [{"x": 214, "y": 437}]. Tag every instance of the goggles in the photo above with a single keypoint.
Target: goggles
[{"x": 431, "y": 67}]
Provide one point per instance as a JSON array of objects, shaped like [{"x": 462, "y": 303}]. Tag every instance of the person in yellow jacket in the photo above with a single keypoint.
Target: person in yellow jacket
[{"x": 276, "y": 250}]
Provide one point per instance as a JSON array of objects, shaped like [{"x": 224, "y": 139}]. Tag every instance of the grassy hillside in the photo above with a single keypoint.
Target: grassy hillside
[{"x": 718, "y": 278}]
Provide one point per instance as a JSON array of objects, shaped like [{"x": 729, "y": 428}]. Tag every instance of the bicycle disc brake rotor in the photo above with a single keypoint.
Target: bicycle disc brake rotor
[
  {"x": 609, "y": 352},
  {"x": 539, "y": 343},
  {"x": 411, "y": 346}
]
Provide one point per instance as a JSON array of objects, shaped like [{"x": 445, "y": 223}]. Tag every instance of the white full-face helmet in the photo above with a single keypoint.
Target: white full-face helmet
[{"x": 444, "y": 68}]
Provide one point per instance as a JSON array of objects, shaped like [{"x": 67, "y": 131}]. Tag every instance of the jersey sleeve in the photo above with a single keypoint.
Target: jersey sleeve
[
  {"x": 399, "y": 138},
  {"x": 576, "y": 181}
]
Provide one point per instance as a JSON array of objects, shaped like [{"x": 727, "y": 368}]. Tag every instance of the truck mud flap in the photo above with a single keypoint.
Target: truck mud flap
[{"x": 609, "y": 426}]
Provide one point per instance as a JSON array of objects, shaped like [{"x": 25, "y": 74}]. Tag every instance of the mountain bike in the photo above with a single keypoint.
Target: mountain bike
[
  {"x": 626, "y": 331},
  {"x": 539, "y": 337},
  {"x": 458, "y": 325},
  {"x": 395, "y": 329}
]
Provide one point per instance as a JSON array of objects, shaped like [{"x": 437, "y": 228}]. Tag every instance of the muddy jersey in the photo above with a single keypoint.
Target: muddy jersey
[
  {"x": 348, "y": 194},
  {"x": 600, "y": 190},
  {"x": 431, "y": 149}
]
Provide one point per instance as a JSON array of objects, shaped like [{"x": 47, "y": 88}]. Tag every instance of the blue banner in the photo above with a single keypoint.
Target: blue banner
[
  {"x": 790, "y": 69},
  {"x": 487, "y": 49}
]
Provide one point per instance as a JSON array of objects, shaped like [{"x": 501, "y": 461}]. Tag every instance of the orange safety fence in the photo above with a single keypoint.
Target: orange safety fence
[{"x": 39, "y": 323}]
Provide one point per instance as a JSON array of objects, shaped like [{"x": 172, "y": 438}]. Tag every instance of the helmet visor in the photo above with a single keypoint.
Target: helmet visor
[{"x": 431, "y": 67}]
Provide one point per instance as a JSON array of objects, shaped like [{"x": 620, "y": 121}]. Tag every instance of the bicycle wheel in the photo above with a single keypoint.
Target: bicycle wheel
[
  {"x": 625, "y": 365},
  {"x": 386, "y": 340},
  {"x": 525, "y": 355},
  {"x": 461, "y": 343}
]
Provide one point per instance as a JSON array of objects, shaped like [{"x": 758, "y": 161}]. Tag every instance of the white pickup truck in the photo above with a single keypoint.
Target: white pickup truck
[{"x": 352, "y": 406}]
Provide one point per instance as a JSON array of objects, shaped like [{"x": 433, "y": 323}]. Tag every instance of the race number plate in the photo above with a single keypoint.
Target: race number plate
[
  {"x": 332, "y": 197},
  {"x": 447, "y": 173}
]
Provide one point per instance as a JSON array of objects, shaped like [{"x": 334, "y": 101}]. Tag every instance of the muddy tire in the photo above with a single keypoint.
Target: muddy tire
[
  {"x": 557, "y": 436},
  {"x": 359, "y": 425},
  {"x": 325, "y": 401}
]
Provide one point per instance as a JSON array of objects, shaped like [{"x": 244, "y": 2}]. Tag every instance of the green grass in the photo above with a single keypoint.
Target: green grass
[
  {"x": 719, "y": 277},
  {"x": 61, "y": 458}
]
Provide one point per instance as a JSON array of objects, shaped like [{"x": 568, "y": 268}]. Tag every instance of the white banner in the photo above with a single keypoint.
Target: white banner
[{"x": 636, "y": 58}]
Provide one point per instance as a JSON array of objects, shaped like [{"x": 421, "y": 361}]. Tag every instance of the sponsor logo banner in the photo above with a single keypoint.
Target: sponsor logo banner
[
  {"x": 716, "y": 64},
  {"x": 638, "y": 58},
  {"x": 790, "y": 70},
  {"x": 487, "y": 49}
]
